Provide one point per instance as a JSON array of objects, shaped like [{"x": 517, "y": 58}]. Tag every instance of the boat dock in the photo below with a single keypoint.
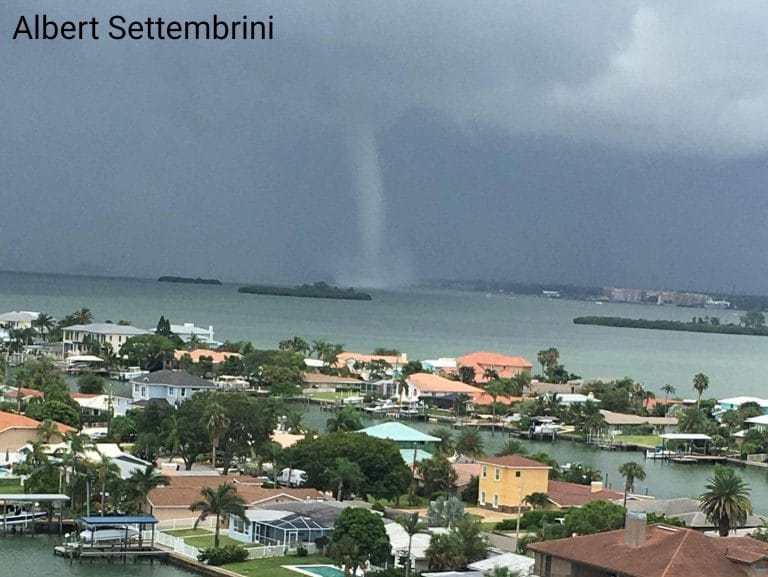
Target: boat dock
[{"x": 109, "y": 552}]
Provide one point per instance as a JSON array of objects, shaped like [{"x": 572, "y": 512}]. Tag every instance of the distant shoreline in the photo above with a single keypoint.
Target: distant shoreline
[
  {"x": 188, "y": 280},
  {"x": 319, "y": 290},
  {"x": 684, "y": 326}
]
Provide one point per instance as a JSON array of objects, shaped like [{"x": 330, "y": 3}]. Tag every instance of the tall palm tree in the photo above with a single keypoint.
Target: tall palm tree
[
  {"x": 631, "y": 472},
  {"x": 412, "y": 526},
  {"x": 216, "y": 423},
  {"x": 667, "y": 390},
  {"x": 44, "y": 324},
  {"x": 141, "y": 482},
  {"x": 345, "y": 473},
  {"x": 83, "y": 316},
  {"x": 469, "y": 442},
  {"x": 512, "y": 447},
  {"x": 495, "y": 389},
  {"x": 47, "y": 429},
  {"x": 700, "y": 384},
  {"x": 106, "y": 471},
  {"x": 536, "y": 500},
  {"x": 78, "y": 443},
  {"x": 224, "y": 500},
  {"x": 726, "y": 500}
]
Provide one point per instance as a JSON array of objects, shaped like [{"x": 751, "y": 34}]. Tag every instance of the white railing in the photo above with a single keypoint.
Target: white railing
[
  {"x": 187, "y": 523},
  {"x": 265, "y": 551},
  {"x": 177, "y": 544}
]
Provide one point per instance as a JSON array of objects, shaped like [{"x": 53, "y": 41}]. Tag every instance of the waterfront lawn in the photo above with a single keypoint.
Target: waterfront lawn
[
  {"x": 187, "y": 532},
  {"x": 201, "y": 538},
  {"x": 649, "y": 441},
  {"x": 11, "y": 486},
  {"x": 273, "y": 566},
  {"x": 325, "y": 395}
]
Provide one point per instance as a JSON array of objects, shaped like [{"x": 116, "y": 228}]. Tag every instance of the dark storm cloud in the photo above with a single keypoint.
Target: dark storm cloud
[{"x": 615, "y": 142}]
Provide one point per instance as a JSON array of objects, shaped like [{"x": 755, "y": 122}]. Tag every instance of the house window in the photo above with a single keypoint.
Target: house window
[
  {"x": 485, "y": 471},
  {"x": 183, "y": 392},
  {"x": 497, "y": 474},
  {"x": 517, "y": 473},
  {"x": 143, "y": 392},
  {"x": 495, "y": 501},
  {"x": 482, "y": 497}
]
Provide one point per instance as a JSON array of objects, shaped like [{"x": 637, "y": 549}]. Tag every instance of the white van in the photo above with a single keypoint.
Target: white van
[{"x": 292, "y": 477}]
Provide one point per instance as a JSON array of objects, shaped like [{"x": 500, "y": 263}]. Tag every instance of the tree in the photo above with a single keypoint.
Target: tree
[
  {"x": 216, "y": 423},
  {"x": 548, "y": 359},
  {"x": 47, "y": 429},
  {"x": 512, "y": 447},
  {"x": 345, "y": 474},
  {"x": 595, "y": 517},
  {"x": 140, "y": 483},
  {"x": 55, "y": 410},
  {"x": 445, "y": 446},
  {"x": 466, "y": 374},
  {"x": 224, "y": 500},
  {"x": 444, "y": 512},
  {"x": 91, "y": 384},
  {"x": 753, "y": 319},
  {"x": 366, "y": 530},
  {"x": 106, "y": 471},
  {"x": 631, "y": 471},
  {"x": 150, "y": 352},
  {"x": 163, "y": 327},
  {"x": 667, "y": 390},
  {"x": 469, "y": 442},
  {"x": 536, "y": 500},
  {"x": 700, "y": 384},
  {"x": 296, "y": 344},
  {"x": 454, "y": 550},
  {"x": 412, "y": 525},
  {"x": 726, "y": 500},
  {"x": 44, "y": 324},
  {"x": 437, "y": 474},
  {"x": 496, "y": 389},
  {"x": 346, "y": 419}
]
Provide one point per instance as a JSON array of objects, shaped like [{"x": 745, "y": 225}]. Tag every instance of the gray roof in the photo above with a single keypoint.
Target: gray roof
[
  {"x": 174, "y": 378},
  {"x": 107, "y": 328},
  {"x": 687, "y": 510},
  {"x": 18, "y": 316},
  {"x": 321, "y": 512}
]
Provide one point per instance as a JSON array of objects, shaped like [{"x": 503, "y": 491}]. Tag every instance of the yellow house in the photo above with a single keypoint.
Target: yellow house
[{"x": 506, "y": 481}]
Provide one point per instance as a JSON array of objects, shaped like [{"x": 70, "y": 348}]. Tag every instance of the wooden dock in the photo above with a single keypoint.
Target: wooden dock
[
  {"x": 109, "y": 552},
  {"x": 697, "y": 459}
]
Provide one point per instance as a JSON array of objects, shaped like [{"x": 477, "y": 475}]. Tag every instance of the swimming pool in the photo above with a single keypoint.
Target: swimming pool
[{"x": 316, "y": 570}]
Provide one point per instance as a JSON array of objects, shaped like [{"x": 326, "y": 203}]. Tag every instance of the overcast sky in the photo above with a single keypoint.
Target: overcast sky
[{"x": 600, "y": 143}]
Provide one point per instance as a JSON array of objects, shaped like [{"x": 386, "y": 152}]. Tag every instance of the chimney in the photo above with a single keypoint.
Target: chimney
[
  {"x": 635, "y": 526},
  {"x": 595, "y": 486}
]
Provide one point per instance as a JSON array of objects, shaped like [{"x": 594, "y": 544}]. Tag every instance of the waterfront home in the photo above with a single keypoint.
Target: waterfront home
[
  {"x": 175, "y": 387},
  {"x": 504, "y": 366},
  {"x": 188, "y": 331},
  {"x": 16, "y": 431},
  {"x": 760, "y": 423},
  {"x": 75, "y": 337},
  {"x": 568, "y": 399},
  {"x": 414, "y": 445},
  {"x": 445, "y": 365},
  {"x": 333, "y": 382},
  {"x": 506, "y": 481},
  {"x": 174, "y": 500},
  {"x": 615, "y": 421},
  {"x": 735, "y": 403},
  {"x": 356, "y": 363},
  {"x": 421, "y": 386},
  {"x": 18, "y": 319},
  {"x": 101, "y": 407},
  {"x": 286, "y": 524},
  {"x": 562, "y": 495},
  {"x": 217, "y": 357},
  {"x": 12, "y": 394},
  {"x": 642, "y": 550}
]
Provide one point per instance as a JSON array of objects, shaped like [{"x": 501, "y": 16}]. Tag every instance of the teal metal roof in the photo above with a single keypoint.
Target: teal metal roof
[
  {"x": 399, "y": 433},
  {"x": 421, "y": 455}
]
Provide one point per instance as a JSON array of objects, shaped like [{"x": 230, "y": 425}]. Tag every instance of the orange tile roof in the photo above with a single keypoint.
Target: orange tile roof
[
  {"x": 485, "y": 399},
  {"x": 513, "y": 462},
  {"x": 14, "y": 421},
  {"x": 483, "y": 358},
  {"x": 217, "y": 356},
  {"x": 465, "y": 472},
  {"x": 565, "y": 494},
  {"x": 666, "y": 552},
  {"x": 319, "y": 379},
  {"x": 366, "y": 358},
  {"x": 429, "y": 383},
  {"x": 13, "y": 393}
]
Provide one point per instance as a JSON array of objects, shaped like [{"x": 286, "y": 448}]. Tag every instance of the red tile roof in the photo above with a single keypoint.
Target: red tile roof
[
  {"x": 429, "y": 383},
  {"x": 14, "y": 421},
  {"x": 218, "y": 357},
  {"x": 572, "y": 495},
  {"x": 347, "y": 356},
  {"x": 666, "y": 552},
  {"x": 25, "y": 393},
  {"x": 494, "y": 359},
  {"x": 513, "y": 462},
  {"x": 484, "y": 399}
]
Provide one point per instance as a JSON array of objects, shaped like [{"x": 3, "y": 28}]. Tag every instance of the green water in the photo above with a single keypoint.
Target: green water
[
  {"x": 424, "y": 324},
  {"x": 32, "y": 556}
]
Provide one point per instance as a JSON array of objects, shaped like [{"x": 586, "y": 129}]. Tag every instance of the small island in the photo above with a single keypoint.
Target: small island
[
  {"x": 188, "y": 280},
  {"x": 752, "y": 324},
  {"x": 318, "y": 290}
]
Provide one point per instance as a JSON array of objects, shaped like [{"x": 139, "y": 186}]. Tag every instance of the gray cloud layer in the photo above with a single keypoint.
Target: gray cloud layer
[{"x": 592, "y": 142}]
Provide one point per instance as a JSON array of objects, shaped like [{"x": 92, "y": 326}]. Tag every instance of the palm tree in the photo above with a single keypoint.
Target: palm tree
[
  {"x": 536, "y": 500},
  {"x": 83, "y": 317},
  {"x": 47, "y": 429},
  {"x": 495, "y": 390},
  {"x": 512, "y": 447},
  {"x": 172, "y": 436},
  {"x": 469, "y": 442},
  {"x": 216, "y": 423},
  {"x": 700, "y": 384},
  {"x": 106, "y": 471},
  {"x": 77, "y": 444},
  {"x": 141, "y": 482},
  {"x": 345, "y": 473},
  {"x": 726, "y": 500},
  {"x": 44, "y": 323},
  {"x": 631, "y": 472},
  {"x": 224, "y": 500},
  {"x": 667, "y": 390},
  {"x": 412, "y": 526}
]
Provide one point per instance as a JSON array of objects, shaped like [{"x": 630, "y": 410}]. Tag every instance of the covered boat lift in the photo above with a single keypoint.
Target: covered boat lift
[{"x": 26, "y": 499}]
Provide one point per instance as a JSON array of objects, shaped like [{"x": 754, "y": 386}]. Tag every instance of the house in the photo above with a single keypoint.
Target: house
[
  {"x": 419, "y": 386},
  {"x": 172, "y": 386},
  {"x": 419, "y": 544},
  {"x": 414, "y": 445},
  {"x": 75, "y": 338},
  {"x": 564, "y": 495},
  {"x": 11, "y": 394},
  {"x": 320, "y": 381},
  {"x": 568, "y": 399},
  {"x": 188, "y": 330},
  {"x": 735, "y": 403},
  {"x": 217, "y": 357},
  {"x": 687, "y": 510},
  {"x": 101, "y": 405},
  {"x": 16, "y": 431},
  {"x": 356, "y": 363},
  {"x": 173, "y": 501},
  {"x": 616, "y": 421},
  {"x": 506, "y": 481},
  {"x": 288, "y": 524},
  {"x": 18, "y": 319},
  {"x": 504, "y": 366},
  {"x": 641, "y": 550},
  {"x": 442, "y": 365},
  {"x": 516, "y": 564}
]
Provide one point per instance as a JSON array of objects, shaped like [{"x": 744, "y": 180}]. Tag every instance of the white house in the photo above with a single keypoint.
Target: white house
[
  {"x": 175, "y": 387},
  {"x": 115, "y": 335},
  {"x": 18, "y": 319},
  {"x": 188, "y": 330},
  {"x": 101, "y": 404}
]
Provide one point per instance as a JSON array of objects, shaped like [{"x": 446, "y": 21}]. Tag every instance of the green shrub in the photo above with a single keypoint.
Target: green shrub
[
  {"x": 378, "y": 506},
  {"x": 223, "y": 555},
  {"x": 530, "y": 520},
  {"x": 301, "y": 551}
]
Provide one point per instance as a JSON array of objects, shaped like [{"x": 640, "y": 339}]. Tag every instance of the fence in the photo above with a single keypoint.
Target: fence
[
  {"x": 177, "y": 544},
  {"x": 188, "y": 523},
  {"x": 265, "y": 551}
]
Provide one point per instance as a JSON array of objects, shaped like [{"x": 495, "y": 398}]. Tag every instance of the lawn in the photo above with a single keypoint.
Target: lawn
[
  {"x": 272, "y": 566},
  {"x": 325, "y": 395},
  {"x": 11, "y": 486},
  {"x": 201, "y": 538},
  {"x": 649, "y": 441}
]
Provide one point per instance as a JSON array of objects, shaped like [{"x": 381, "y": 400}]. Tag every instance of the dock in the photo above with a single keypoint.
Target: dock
[
  {"x": 109, "y": 552},
  {"x": 692, "y": 459}
]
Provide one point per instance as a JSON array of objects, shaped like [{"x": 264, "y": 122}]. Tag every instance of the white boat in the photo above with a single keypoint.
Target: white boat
[
  {"x": 231, "y": 382},
  {"x": 382, "y": 407},
  {"x": 21, "y": 518},
  {"x": 131, "y": 373},
  {"x": 717, "y": 304},
  {"x": 108, "y": 535}
]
